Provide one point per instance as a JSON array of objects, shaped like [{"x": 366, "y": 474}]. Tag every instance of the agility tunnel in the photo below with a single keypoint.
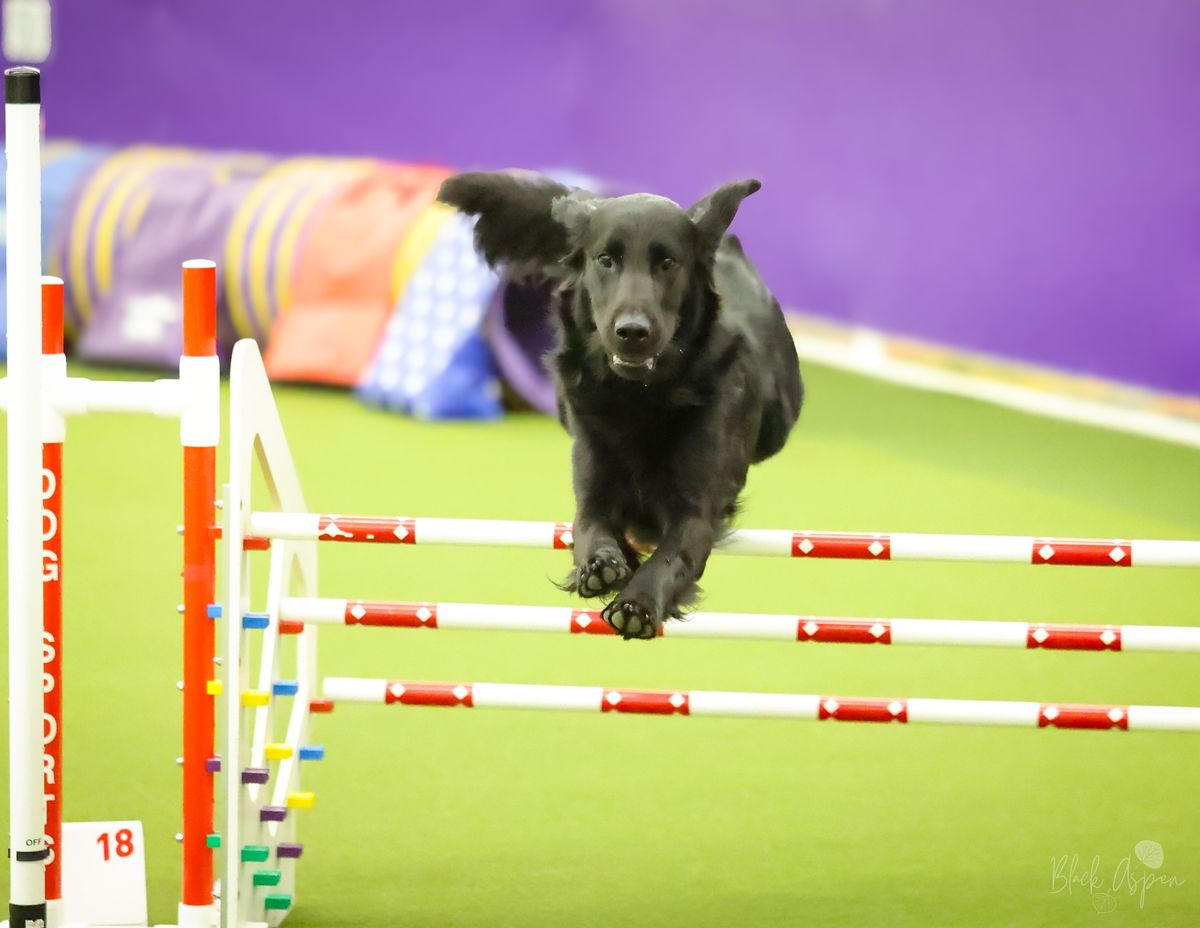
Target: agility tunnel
[{"x": 344, "y": 270}]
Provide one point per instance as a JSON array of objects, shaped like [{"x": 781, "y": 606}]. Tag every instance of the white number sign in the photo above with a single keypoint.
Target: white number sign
[{"x": 104, "y": 873}]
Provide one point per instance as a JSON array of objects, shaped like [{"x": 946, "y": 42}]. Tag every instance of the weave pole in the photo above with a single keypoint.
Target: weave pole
[
  {"x": 879, "y": 546},
  {"x": 738, "y": 625},
  {"x": 54, "y": 433},
  {"x": 199, "y": 433},
  {"x": 27, "y": 807},
  {"x": 758, "y": 705}
]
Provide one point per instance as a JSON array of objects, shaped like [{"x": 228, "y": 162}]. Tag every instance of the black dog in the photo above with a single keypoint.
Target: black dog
[{"x": 674, "y": 368}]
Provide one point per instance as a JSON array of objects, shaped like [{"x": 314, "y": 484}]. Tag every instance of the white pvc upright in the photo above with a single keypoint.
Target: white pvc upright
[{"x": 27, "y": 807}]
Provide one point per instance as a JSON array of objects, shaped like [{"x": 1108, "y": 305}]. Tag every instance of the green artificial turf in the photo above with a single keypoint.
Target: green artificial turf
[{"x": 430, "y": 817}]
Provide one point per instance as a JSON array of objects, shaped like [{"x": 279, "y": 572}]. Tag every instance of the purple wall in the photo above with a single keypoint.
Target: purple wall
[{"x": 1016, "y": 176}]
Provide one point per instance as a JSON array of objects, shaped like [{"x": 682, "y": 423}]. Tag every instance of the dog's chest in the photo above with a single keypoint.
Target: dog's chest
[{"x": 640, "y": 445}]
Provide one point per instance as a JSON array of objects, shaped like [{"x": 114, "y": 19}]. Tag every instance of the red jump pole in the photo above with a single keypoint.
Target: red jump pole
[
  {"x": 52, "y": 564},
  {"x": 199, "y": 435}
]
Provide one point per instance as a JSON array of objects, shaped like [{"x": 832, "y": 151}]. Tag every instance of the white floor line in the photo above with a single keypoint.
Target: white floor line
[{"x": 866, "y": 356}]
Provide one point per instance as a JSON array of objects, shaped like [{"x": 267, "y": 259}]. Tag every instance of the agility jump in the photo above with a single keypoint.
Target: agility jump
[
  {"x": 269, "y": 689},
  {"x": 267, "y": 796}
]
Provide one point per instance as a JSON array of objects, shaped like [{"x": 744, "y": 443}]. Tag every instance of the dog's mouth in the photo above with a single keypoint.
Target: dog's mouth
[
  {"x": 632, "y": 370},
  {"x": 620, "y": 363}
]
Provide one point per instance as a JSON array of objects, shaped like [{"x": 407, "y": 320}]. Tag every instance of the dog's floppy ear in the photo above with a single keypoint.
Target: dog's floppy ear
[
  {"x": 573, "y": 213},
  {"x": 515, "y": 225},
  {"x": 713, "y": 215}
]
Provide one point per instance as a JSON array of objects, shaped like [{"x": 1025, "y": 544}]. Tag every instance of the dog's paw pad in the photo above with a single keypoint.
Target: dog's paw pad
[
  {"x": 601, "y": 573},
  {"x": 631, "y": 620}
]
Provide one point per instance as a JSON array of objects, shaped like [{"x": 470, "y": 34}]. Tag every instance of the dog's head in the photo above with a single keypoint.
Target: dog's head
[
  {"x": 640, "y": 260},
  {"x": 640, "y": 264}
]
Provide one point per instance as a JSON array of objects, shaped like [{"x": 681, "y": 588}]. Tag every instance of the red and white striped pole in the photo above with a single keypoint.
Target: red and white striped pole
[
  {"x": 758, "y": 705},
  {"x": 199, "y": 377},
  {"x": 297, "y": 611},
  {"x": 53, "y": 434},
  {"x": 751, "y": 542}
]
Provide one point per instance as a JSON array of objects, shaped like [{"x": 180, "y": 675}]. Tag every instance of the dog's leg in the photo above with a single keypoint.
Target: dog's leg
[
  {"x": 666, "y": 582},
  {"x": 708, "y": 472},
  {"x": 604, "y": 560}
]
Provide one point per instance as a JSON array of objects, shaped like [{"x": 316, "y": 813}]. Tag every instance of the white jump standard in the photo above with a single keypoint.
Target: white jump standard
[{"x": 39, "y": 396}]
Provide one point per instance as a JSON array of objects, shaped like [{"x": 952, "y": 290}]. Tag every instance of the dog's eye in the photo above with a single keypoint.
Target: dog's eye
[
  {"x": 604, "y": 259},
  {"x": 667, "y": 264}
]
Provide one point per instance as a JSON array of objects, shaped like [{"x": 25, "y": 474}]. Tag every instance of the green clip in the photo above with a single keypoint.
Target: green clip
[{"x": 267, "y": 877}]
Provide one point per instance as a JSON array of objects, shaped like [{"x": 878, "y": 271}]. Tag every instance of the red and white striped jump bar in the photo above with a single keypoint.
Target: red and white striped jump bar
[
  {"x": 747, "y": 625},
  {"x": 762, "y": 542},
  {"x": 760, "y": 705}
]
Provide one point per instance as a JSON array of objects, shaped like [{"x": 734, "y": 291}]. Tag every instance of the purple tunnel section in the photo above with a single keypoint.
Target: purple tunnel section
[
  {"x": 186, "y": 210},
  {"x": 1016, "y": 177},
  {"x": 515, "y": 328}
]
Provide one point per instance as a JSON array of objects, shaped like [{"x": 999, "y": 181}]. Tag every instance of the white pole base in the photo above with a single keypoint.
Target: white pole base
[{"x": 198, "y": 916}]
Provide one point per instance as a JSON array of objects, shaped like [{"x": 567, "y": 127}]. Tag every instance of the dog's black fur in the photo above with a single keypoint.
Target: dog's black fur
[{"x": 675, "y": 372}]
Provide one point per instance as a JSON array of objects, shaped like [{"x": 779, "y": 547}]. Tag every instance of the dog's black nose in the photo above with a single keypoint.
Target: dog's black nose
[{"x": 632, "y": 328}]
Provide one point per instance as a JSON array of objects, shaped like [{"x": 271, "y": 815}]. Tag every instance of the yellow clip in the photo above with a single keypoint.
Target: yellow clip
[
  {"x": 279, "y": 751},
  {"x": 255, "y": 697},
  {"x": 301, "y": 800},
  {"x": 213, "y": 687}
]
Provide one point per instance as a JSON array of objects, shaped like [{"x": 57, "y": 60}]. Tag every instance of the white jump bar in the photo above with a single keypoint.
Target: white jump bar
[
  {"x": 865, "y": 546},
  {"x": 731, "y": 625},
  {"x": 761, "y": 705}
]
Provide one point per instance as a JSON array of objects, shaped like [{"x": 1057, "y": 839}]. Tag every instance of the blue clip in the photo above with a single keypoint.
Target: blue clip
[
  {"x": 214, "y": 610},
  {"x": 285, "y": 687},
  {"x": 256, "y": 620},
  {"x": 312, "y": 752}
]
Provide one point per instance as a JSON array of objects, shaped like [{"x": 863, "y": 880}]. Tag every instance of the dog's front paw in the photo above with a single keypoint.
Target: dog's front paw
[
  {"x": 634, "y": 616},
  {"x": 605, "y": 571}
]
